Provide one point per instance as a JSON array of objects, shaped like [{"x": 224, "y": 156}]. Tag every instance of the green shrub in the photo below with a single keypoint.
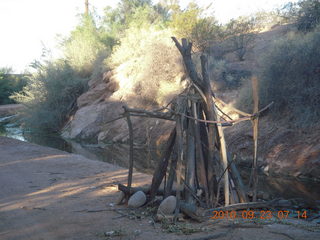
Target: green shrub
[
  {"x": 83, "y": 46},
  {"x": 225, "y": 78},
  {"x": 305, "y": 14},
  {"x": 10, "y": 83},
  {"x": 129, "y": 13},
  {"x": 290, "y": 77},
  {"x": 240, "y": 34},
  {"x": 190, "y": 24},
  {"x": 50, "y": 96},
  {"x": 148, "y": 66}
]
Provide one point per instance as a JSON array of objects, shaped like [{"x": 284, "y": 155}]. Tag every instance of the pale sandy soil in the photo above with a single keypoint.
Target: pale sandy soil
[{"x": 49, "y": 194}]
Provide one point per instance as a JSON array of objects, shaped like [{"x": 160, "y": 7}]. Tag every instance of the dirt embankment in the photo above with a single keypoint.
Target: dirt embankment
[
  {"x": 9, "y": 109},
  {"x": 49, "y": 194},
  {"x": 281, "y": 149}
]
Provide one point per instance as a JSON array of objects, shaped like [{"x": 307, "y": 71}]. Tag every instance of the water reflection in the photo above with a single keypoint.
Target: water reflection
[
  {"x": 145, "y": 161},
  {"x": 285, "y": 187}
]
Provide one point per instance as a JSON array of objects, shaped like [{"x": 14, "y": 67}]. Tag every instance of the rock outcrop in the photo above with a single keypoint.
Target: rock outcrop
[{"x": 103, "y": 102}]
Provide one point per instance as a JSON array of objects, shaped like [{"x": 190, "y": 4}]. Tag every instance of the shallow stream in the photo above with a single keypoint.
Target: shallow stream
[{"x": 273, "y": 187}]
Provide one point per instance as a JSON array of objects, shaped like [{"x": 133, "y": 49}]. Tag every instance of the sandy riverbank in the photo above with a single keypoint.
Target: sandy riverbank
[{"x": 50, "y": 194}]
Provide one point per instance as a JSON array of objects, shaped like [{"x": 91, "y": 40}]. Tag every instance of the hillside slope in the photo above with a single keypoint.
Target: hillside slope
[{"x": 282, "y": 149}]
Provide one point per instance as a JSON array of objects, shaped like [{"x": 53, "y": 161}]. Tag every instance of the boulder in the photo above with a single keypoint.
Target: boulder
[
  {"x": 120, "y": 197},
  {"x": 92, "y": 95},
  {"x": 137, "y": 199},
  {"x": 168, "y": 205}
]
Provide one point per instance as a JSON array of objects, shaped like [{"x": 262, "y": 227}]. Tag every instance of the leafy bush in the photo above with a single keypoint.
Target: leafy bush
[
  {"x": 10, "y": 83},
  {"x": 83, "y": 46},
  {"x": 305, "y": 14},
  {"x": 148, "y": 66},
  {"x": 224, "y": 77},
  {"x": 241, "y": 33},
  {"x": 290, "y": 77},
  {"x": 50, "y": 96},
  {"x": 128, "y": 13},
  {"x": 190, "y": 24}
]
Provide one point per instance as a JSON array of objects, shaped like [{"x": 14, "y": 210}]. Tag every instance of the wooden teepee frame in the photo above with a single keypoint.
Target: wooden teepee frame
[{"x": 196, "y": 152}]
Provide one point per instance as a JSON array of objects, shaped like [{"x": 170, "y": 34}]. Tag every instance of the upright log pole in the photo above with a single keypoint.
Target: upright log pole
[
  {"x": 179, "y": 144},
  {"x": 255, "y": 123},
  {"x": 127, "y": 114},
  {"x": 213, "y": 115},
  {"x": 172, "y": 173},
  {"x": 190, "y": 166},
  {"x": 201, "y": 162}
]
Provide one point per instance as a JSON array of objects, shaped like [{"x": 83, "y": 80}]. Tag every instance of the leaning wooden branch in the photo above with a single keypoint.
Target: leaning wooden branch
[
  {"x": 161, "y": 169},
  {"x": 151, "y": 114},
  {"x": 185, "y": 50}
]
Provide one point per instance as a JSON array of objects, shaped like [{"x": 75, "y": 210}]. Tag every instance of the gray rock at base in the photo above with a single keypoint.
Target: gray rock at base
[
  {"x": 120, "y": 197},
  {"x": 168, "y": 205},
  {"x": 137, "y": 199}
]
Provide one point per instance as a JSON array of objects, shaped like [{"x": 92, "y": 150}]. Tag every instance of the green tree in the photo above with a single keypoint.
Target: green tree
[
  {"x": 289, "y": 76},
  {"x": 10, "y": 83},
  {"x": 241, "y": 33},
  {"x": 83, "y": 46},
  {"x": 128, "y": 13},
  {"x": 308, "y": 15},
  {"x": 305, "y": 14},
  {"x": 190, "y": 24},
  {"x": 50, "y": 96}
]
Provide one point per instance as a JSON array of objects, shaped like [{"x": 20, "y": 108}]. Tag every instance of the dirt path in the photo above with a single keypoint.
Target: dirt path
[{"x": 49, "y": 194}]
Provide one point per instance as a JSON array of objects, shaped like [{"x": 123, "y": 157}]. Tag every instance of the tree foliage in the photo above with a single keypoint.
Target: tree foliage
[
  {"x": 190, "y": 24},
  {"x": 128, "y": 13},
  {"x": 10, "y": 83},
  {"x": 305, "y": 14},
  {"x": 84, "y": 46},
  {"x": 50, "y": 96},
  {"x": 241, "y": 34},
  {"x": 289, "y": 76}
]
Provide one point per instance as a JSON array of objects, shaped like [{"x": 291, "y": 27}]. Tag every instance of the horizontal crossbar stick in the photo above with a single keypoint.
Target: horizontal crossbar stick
[
  {"x": 215, "y": 122},
  {"x": 230, "y": 121}
]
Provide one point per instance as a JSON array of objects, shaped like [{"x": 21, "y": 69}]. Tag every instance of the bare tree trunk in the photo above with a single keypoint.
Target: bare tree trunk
[{"x": 86, "y": 4}]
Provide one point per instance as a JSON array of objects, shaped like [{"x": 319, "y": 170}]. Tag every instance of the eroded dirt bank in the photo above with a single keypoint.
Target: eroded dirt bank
[
  {"x": 9, "y": 109},
  {"x": 49, "y": 194}
]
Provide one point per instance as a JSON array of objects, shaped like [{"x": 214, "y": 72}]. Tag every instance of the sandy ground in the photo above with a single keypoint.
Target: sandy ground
[{"x": 49, "y": 194}]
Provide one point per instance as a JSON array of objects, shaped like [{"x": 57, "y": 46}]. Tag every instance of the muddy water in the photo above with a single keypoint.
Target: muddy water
[{"x": 144, "y": 160}]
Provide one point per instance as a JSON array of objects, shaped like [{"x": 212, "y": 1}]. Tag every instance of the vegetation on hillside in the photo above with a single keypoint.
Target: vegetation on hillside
[
  {"x": 50, "y": 96},
  {"x": 9, "y": 84},
  {"x": 289, "y": 73},
  {"x": 135, "y": 36},
  {"x": 290, "y": 76}
]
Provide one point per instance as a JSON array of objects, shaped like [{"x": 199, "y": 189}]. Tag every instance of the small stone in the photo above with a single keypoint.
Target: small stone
[
  {"x": 284, "y": 203},
  {"x": 265, "y": 196},
  {"x": 137, "y": 199},
  {"x": 168, "y": 205}
]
